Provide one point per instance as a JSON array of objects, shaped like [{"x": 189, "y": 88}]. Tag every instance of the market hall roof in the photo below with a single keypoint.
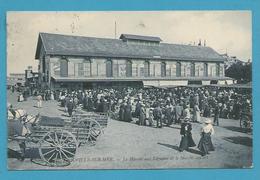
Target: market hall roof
[{"x": 67, "y": 45}]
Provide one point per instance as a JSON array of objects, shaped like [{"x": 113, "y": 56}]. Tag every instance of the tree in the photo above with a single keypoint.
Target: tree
[{"x": 241, "y": 72}]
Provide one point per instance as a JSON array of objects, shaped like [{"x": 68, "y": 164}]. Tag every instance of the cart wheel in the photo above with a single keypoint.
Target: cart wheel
[
  {"x": 58, "y": 148},
  {"x": 89, "y": 131}
]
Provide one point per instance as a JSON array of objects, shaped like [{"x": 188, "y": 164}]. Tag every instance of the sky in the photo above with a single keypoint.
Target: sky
[{"x": 224, "y": 31}]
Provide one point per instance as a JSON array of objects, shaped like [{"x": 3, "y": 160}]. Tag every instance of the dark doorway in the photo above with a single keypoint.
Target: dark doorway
[
  {"x": 87, "y": 85},
  {"x": 214, "y": 82},
  {"x": 194, "y": 82}
]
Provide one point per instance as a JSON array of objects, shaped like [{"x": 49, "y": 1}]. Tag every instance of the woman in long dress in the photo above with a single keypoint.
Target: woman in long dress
[
  {"x": 128, "y": 112},
  {"x": 142, "y": 115},
  {"x": 122, "y": 112},
  {"x": 205, "y": 144},
  {"x": 52, "y": 95},
  {"x": 186, "y": 136},
  {"x": 196, "y": 113},
  {"x": 39, "y": 101},
  {"x": 20, "y": 98}
]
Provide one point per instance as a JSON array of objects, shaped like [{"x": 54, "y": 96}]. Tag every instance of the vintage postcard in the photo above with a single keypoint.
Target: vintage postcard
[{"x": 129, "y": 90}]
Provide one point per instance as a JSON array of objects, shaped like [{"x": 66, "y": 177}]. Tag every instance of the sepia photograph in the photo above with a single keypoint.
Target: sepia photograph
[{"x": 129, "y": 90}]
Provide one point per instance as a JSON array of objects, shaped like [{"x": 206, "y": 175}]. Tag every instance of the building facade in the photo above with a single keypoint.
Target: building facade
[
  {"x": 16, "y": 79},
  {"x": 31, "y": 78},
  {"x": 83, "y": 62}
]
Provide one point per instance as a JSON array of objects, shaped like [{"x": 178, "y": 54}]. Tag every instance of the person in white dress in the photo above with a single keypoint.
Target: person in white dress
[
  {"x": 205, "y": 145},
  {"x": 39, "y": 101},
  {"x": 196, "y": 113}
]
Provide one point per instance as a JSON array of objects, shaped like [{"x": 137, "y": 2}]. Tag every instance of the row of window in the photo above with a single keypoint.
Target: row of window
[
  {"x": 132, "y": 70},
  {"x": 146, "y": 43}
]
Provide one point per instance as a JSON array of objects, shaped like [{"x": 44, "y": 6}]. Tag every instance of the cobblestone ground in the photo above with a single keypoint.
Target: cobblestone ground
[{"x": 129, "y": 146}]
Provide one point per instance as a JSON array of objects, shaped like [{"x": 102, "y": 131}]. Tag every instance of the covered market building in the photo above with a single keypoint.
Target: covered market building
[{"x": 67, "y": 61}]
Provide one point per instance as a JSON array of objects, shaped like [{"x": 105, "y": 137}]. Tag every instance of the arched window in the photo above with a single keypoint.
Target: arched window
[
  {"x": 205, "y": 69},
  {"x": 128, "y": 68},
  {"x": 178, "y": 69},
  {"x": 217, "y": 69},
  {"x": 63, "y": 67},
  {"x": 109, "y": 68},
  {"x": 163, "y": 69},
  {"x": 192, "y": 69},
  {"x": 87, "y": 67},
  {"x": 146, "y": 69}
]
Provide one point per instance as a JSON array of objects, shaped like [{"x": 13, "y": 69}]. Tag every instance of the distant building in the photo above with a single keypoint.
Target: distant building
[
  {"x": 31, "y": 78},
  {"x": 82, "y": 62},
  {"x": 16, "y": 79}
]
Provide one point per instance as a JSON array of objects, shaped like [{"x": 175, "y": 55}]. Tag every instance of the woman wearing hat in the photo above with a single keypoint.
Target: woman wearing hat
[
  {"x": 205, "y": 144},
  {"x": 186, "y": 136}
]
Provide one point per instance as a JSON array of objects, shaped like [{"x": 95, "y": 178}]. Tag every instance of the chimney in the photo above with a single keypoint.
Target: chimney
[{"x": 115, "y": 30}]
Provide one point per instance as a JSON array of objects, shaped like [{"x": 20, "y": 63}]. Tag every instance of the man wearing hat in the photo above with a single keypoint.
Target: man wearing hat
[
  {"x": 157, "y": 114},
  {"x": 216, "y": 114},
  {"x": 122, "y": 111},
  {"x": 142, "y": 115},
  {"x": 70, "y": 107},
  {"x": 137, "y": 109},
  {"x": 168, "y": 114},
  {"x": 205, "y": 144}
]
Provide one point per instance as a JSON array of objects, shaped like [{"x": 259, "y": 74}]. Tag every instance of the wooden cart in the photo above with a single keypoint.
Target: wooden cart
[{"x": 55, "y": 141}]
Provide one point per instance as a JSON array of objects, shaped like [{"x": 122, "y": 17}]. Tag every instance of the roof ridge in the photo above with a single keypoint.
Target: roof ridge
[{"x": 80, "y": 36}]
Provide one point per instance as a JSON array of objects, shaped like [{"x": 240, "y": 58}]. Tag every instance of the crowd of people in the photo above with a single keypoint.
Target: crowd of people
[
  {"x": 152, "y": 105},
  {"x": 159, "y": 107}
]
